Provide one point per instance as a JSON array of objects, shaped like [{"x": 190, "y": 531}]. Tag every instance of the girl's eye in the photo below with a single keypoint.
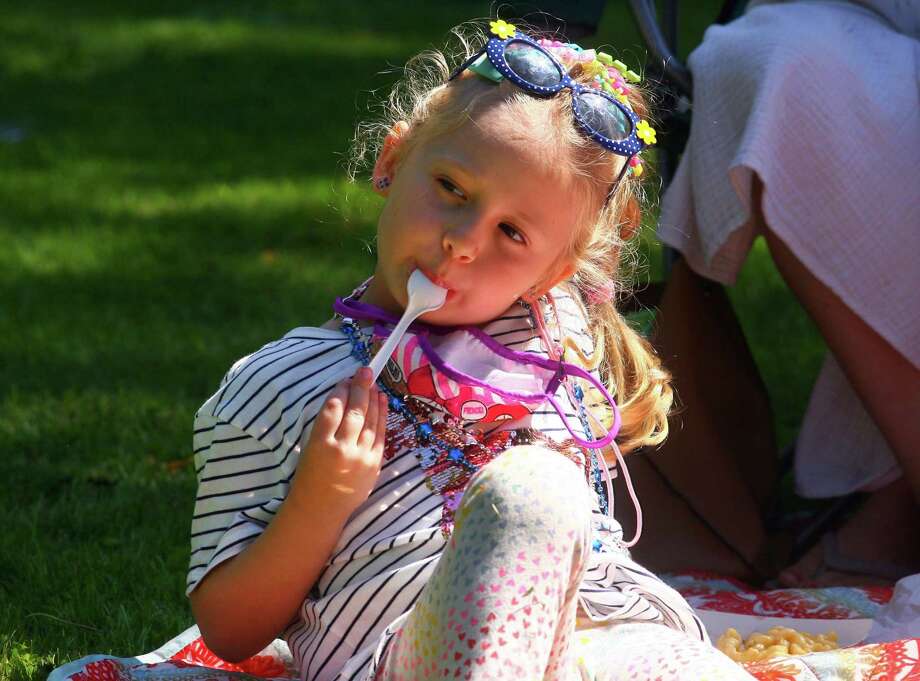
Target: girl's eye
[
  {"x": 511, "y": 232},
  {"x": 450, "y": 187}
]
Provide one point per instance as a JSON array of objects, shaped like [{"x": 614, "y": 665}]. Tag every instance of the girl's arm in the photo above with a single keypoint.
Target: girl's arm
[{"x": 246, "y": 601}]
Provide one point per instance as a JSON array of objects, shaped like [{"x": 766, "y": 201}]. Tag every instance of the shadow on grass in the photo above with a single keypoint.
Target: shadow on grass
[{"x": 93, "y": 578}]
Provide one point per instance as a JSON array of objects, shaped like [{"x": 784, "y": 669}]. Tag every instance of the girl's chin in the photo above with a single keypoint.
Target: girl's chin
[
  {"x": 453, "y": 316},
  {"x": 449, "y": 315},
  {"x": 440, "y": 318}
]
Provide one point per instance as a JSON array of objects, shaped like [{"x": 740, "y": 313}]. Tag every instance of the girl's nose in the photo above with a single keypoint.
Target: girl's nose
[{"x": 462, "y": 242}]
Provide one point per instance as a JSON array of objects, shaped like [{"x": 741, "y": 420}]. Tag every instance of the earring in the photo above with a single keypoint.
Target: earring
[{"x": 382, "y": 182}]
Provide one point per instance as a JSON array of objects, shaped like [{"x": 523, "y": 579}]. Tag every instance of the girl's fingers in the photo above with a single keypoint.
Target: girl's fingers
[
  {"x": 356, "y": 408},
  {"x": 330, "y": 416},
  {"x": 380, "y": 428},
  {"x": 368, "y": 431}
]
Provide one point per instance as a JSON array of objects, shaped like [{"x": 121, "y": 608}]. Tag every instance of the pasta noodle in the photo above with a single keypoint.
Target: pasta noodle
[{"x": 777, "y": 642}]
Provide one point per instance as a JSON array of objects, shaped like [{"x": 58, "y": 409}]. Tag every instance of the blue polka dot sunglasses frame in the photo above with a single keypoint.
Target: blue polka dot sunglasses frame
[{"x": 530, "y": 67}]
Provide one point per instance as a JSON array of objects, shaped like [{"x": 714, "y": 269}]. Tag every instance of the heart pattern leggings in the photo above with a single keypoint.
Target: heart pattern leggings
[{"x": 502, "y": 602}]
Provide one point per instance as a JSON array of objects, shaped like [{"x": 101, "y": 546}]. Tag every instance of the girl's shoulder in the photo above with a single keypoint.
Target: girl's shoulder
[
  {"x": 304, "y": 359},
  {"x": 296, "y": 345}
]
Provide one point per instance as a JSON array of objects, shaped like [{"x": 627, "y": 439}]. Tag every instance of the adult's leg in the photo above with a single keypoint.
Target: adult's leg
[
  {"x": 502, "y": 601},
  {"x": 887, "y": 527},
  {"x": 710, "y": 481},
  {"x": 886, "y": 382}
]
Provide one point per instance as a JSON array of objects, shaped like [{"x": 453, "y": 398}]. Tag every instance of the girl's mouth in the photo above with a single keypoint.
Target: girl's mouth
[{"x": 437, "y": 281}]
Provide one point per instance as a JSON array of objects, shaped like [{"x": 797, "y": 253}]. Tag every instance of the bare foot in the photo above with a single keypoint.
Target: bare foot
[{"x": 875, "y": 546}]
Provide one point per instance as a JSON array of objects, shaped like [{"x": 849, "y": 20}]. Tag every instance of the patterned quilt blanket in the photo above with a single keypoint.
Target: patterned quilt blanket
[{"x": 721, "y": 603}]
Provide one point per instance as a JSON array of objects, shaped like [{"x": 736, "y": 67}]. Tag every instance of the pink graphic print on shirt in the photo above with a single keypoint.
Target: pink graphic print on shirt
[{"x": 478, "y": 409}]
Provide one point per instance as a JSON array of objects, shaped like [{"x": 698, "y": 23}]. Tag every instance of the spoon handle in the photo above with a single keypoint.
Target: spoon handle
[{"x": 380, "y": 359}]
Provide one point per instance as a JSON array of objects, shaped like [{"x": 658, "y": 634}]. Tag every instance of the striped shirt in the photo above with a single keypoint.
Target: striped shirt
[{"x": 247, "y": 445}]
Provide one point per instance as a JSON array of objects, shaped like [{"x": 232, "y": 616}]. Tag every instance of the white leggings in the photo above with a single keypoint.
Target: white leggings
[{"x": 502, "y": 601}]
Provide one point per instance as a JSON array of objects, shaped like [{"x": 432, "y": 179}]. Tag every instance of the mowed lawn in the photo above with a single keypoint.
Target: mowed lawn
[{"x": 171, "y": 198}]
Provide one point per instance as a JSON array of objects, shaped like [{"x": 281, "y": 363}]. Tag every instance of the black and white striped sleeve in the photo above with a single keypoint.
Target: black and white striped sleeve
[
  {"x": 248, "y": 435},
  {"x": 241, "y": 484}
]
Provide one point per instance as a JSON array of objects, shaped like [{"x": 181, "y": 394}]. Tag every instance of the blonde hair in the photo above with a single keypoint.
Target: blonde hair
[{"x": 431, "y": 106}]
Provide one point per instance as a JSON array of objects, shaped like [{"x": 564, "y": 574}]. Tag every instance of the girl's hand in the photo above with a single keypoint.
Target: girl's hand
[{"x": 341, "y": 458}]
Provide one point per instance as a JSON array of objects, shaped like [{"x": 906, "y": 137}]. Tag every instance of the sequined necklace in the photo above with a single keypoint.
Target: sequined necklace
[{"x": 448, "y": 454}]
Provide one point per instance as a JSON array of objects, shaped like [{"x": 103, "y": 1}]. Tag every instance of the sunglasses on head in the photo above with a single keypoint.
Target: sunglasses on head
[{"x": 530, "y": 67}]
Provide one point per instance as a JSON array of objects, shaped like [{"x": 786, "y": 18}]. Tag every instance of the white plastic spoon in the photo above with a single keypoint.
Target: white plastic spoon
[{"x": 424, "y": 296}]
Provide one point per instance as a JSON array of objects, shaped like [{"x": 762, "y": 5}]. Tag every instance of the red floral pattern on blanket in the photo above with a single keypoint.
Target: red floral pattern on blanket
[
  {"x": 117, "y": 670},
  {"x": 198, "y": 653},
  {"x": 103, "y": 670},
  {"x": 195, "y": 662},
  {"x": 895, "y": 661},
  {"x": 724, "y": 594}
]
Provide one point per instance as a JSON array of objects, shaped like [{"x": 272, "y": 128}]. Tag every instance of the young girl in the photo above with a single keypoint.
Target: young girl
[{"x": 454, "y": 520}]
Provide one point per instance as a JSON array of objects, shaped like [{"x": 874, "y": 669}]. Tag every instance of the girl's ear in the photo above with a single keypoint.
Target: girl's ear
[{"x": 389, "y": 157}]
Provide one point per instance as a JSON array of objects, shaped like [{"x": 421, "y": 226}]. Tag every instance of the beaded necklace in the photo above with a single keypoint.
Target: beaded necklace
[{"x": 448, "y": 454}]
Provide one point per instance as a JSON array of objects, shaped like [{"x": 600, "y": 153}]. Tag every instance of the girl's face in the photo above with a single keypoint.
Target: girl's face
[{"x": 482, "y": 212}]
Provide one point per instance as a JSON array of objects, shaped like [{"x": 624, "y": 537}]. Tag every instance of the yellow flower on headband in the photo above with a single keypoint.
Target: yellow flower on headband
[
  {"x": 646, "y": 132},
  {"x": 502, "y": 29}
]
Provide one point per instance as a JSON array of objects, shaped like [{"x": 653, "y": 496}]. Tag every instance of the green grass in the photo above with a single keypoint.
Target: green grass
[{"x": 175, "y": 202}]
